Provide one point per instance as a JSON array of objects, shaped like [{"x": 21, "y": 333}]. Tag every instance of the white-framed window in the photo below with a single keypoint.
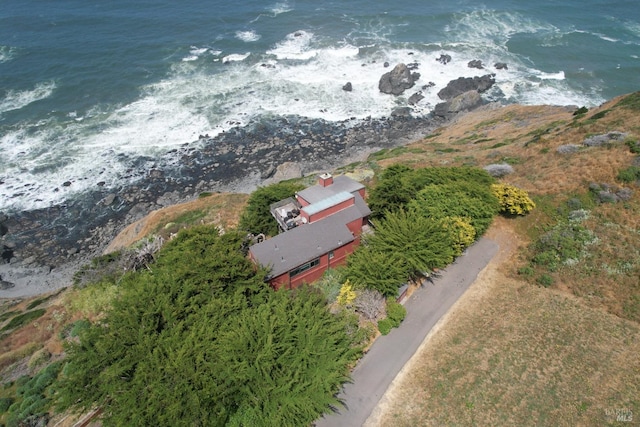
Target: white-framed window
[{"x": 304, "y": 267}]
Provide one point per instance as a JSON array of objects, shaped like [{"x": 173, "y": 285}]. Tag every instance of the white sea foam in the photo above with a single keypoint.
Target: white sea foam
[
  {"x": 248, "y": 36},
  {"x": 279, "y": 8},
  {"x": 195, "y": 53},
  {"x": 235, "y": 57},
  {"x": 295, "y": 46},
  {"x": 6, "y": 53},
  {"x": 480, "y": 26},
  {"x": 297, "y": 76},
  {"x": 15, "y": 100}
]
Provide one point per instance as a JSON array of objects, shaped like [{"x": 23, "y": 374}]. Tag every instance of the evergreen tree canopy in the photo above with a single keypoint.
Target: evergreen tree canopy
[
  {"x": 371, "y": 268},
  {"x": 201, "y": 340},
  {"x": 467, "y": 200},
  {"x": 418, "y": 243},
  {"x": 256, "y": 217},
  {"x": 399, "y": 185}
]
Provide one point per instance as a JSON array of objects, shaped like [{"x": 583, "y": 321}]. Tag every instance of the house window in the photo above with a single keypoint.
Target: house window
[
  {"x": 304, "y": 267},
  {"x": 331, "y": 255}
]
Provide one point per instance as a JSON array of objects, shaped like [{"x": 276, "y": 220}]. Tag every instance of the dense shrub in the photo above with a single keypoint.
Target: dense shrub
[
  {"x": 256, "y": 217},
  {"x": 513, "y": 200},
  {"x": 35, "y": 397},
  {"x": 395, "y": 312},
  {"x": 385, "y": 326},
  {"x": 461, "y": 232},
  {"x": 545, "y": 280},
  {"x": 399, "y": 185},
  {"x": 5, "y": 403},
  {"x": 330, "y": 284},
  {"x": 630, "y": 174},
  {"x": 634, "y": 146},
  {"x": 471, "y": 200},
  {"x": 347, "y": 294},
  {"x": 371, "y": 268}
]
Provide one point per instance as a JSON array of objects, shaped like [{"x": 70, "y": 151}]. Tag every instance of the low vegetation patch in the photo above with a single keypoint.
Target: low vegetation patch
[{"x": 22, "y": 319}]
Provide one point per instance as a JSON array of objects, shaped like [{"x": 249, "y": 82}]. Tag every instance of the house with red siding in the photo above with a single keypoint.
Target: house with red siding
[{"x": 320, "y": 227}]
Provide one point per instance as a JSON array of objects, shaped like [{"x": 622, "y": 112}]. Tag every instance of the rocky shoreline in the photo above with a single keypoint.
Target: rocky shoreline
[{"x": 41, "y": 249}]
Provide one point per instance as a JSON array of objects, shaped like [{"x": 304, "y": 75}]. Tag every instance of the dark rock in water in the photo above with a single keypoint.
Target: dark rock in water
[
  {"x": 476, "y": 63},
  {"x": 501, "y": 66},
  {"x": 4, "y": 285},
  {"x": 464, "y": 102},
  {"x": 347, "y": 87},
  {"x": 396, "y": 81},
  {"x": 444, "y": 59},
  {"x": 401, "y": 112},
  {"x": 3, "y": 228},
  {"x": 156, "y": 174},
  {"x": 465, "y": 84},
  {"x": 415, "y": 98},
  {"x": 66, "y": 184},
  {"x": 7, "y": 253}
]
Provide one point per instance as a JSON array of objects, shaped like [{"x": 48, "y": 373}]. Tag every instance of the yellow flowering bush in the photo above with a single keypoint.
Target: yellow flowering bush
[
  {"x": 461, "y": 231},
  {"x": 347, "y": 294},
  {"x": 513, "y": 200}
]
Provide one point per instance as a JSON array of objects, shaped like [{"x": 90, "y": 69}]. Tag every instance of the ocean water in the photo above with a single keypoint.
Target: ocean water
[{"x": 87, "y": 86}]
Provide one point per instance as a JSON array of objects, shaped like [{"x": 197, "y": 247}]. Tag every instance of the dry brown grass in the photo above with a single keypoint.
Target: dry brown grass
[
  {"x": 511, "y": 352},
  {"x": 221, "y": 209},
  {"x": 515, "y": 354}
]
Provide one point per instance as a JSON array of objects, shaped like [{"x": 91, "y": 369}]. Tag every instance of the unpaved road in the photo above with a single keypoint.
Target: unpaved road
[{"x": 377, "y": 369}]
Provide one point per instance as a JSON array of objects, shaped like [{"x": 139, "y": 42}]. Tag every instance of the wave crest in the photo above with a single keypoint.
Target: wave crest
[{"x": 15, "y": 100}]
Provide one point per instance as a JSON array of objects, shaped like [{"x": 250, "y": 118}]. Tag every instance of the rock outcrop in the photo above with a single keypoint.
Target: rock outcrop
[
  {"x": 463, "y": 102},
  {"x": 465, "y": 84},
  {"x": 396, "y": 81}
]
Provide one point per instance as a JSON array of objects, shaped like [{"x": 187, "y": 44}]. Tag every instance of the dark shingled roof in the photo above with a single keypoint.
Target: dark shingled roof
[{"x": 293, "y": 248}]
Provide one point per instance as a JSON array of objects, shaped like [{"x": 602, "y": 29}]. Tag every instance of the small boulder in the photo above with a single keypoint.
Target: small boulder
[
  {"x": 501, "y": 66},
  {"x": 401, "y": 112},
  {"x": 397, "y": 80},
  {"x": 475, "y": 64},
  {"x": 415, "y": 98},
  {"x": 444, "y": 59}
]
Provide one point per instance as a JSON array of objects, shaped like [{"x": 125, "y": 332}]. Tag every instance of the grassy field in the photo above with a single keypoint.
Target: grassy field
[{"x": 515, "y": 354}]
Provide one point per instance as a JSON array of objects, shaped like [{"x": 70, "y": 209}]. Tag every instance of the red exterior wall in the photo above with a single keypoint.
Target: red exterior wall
[
  {"x": 313, "y": 274},
  {"x": 355, "y": 226},
  {"x": 302, "y": 201}
]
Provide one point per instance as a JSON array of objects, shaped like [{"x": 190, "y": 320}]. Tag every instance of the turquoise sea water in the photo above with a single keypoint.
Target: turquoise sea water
[{"x": 85, "y": 83}]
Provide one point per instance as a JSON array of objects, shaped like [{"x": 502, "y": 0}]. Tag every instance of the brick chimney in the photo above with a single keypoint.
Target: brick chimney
[{"x": 325, "y": 180}]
